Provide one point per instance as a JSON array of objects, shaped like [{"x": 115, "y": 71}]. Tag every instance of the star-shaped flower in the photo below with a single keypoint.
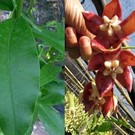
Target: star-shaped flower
[
  {"x": 94, "y": 102},
  {"x": 109, "y": 29},
  {"x": 112, "y": 65}
]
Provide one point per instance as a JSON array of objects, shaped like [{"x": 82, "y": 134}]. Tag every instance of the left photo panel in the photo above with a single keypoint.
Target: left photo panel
[{"x": 32, "y": 51}]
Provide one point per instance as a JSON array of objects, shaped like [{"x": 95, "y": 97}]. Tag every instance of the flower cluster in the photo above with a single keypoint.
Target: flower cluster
[{"x": 110, "y": 61}]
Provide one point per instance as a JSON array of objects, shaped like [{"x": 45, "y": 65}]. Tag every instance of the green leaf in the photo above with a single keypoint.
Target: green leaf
[
  {"x": 6, "y": 5},
  {"x": 19, "y": 77},
  {"x": 106, "y": 126},
  {"x": 48, "y": 73},
  {"x": 53, "y": 93},
  {"x": 53, "y": 38},
  {"x": 35, "y": 117},
  {"x": 52, "y": 120}
]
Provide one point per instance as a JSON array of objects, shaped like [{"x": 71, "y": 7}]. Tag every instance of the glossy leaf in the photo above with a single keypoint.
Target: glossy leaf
[
  {"x": 19, "y": 77},
  {"x": 52, "y": 120},
  {"x": 53, "y": 93},
  {"x": 6, "y": 5},
  {"x": 48, "y": 73},
  {"x": 53, "y": 38}
]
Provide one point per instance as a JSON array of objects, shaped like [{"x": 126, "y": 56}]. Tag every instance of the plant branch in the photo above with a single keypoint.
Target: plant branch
[{"x": 19, "y": 8}]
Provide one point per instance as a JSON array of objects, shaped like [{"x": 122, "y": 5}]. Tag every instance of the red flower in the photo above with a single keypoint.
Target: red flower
[
  {"x": 109, "y": 29},
  {"x": 94, "y": 102},
  {"x": 112, "y": 65}
]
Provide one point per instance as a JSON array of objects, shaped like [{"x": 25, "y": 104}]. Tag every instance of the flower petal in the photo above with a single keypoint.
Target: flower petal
[
  {"x": 89, "y": 105},
  {"x": 92, "y": 22},
  {"x": 112, "y": 54},
  {"x": 126, "y": 79},
  {"x": 126, "y": 58},
  {"x": 96, "y": 62},
  {"x": 100, "y": 44},
  {"x": 85, "y": 97},
  {"x": 104, "y": 83},
  {"x": 113, "y": 8},
  {"x": 128, "y": 25},
  {"x": 104, "y": 44},
  {"x": 87, "y": 91},
  {"x": 108, "y": 106}
]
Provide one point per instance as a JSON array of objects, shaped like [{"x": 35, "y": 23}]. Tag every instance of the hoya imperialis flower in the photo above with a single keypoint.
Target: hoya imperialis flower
[
  {"x": 94, "y": 102},
  {"x": 109, "y": 29},
  {"x": 112, "y": 66}
]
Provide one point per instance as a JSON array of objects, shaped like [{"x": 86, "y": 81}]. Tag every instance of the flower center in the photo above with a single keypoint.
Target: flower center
[
  {"x": 110, "y": 25},
  {"x": 112, "y": 68},
  {"x": 95, "y": 96}
]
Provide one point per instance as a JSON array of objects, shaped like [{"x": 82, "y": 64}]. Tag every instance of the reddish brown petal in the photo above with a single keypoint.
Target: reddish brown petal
[
  {"x": 112, "y": 54},
  {"x": 96, "y": 62},
  {"x": 126, "y": 79},
  {"x": 86, "y": 93},
  {"x": 89, "y": 105},
  {"x": 104, "y": 83},
  {"x": 128, "y": 25},
  {"x": 98, "y": 45},
  {"x": 126, "y": 58},
  {"x": 109, "y": 93},
  {"x": 92, "y": 22},
  {"x": 103, "y": 44},
  {"x": 108, "y": 106},
  {"x": 113, "y": 8}
]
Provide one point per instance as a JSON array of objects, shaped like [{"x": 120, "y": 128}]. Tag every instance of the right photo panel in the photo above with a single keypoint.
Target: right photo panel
[{"x": 99, "y": 67}]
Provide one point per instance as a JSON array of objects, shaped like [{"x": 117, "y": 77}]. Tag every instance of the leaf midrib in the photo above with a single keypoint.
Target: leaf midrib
[{"x": 9, "y": 75}]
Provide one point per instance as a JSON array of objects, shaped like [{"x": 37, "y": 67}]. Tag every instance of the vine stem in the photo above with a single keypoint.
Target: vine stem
[
  {"x": 19, "y": 8},
  {"x": 128, "y": 47}
]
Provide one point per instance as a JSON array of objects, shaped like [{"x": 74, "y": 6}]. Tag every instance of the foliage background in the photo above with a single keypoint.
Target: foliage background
[
  {"x": 47, "y": 26},
  {"x": 77, "y": 76}
]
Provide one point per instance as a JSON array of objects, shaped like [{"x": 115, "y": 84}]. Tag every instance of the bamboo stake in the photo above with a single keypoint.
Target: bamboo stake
[
  {"x": 72, "y": 77},
  {"x": 126, "y": 111},
  {"x": 90, "y": 77},
  {"x": 120, "y": 88}
]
